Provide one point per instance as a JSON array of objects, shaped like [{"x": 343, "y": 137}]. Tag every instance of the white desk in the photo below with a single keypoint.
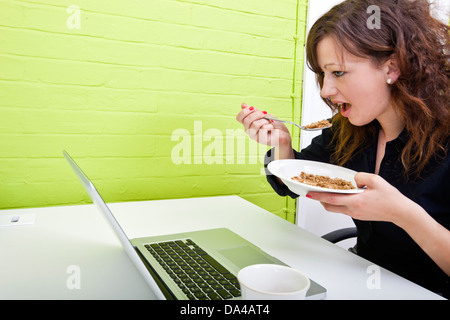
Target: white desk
[{"x": 35, "y": 259}]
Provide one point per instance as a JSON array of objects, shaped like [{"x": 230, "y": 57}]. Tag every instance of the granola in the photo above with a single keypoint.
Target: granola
[{"x": 323, "y": 181}]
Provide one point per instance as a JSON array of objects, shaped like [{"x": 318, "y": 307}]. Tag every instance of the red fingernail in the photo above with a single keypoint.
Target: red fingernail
[
  {"x": 271, "y": 120},
  {"x": 265, "y": 112},
  {"x": 308, "y": 196},
  {"x": 251, "y": 109}
]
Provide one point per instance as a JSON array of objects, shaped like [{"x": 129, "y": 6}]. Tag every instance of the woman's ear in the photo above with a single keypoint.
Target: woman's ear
[{"x": 392, "y": 71}]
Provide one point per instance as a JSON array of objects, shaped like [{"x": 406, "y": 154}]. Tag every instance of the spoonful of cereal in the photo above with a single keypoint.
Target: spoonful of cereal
[{"x": 319, "y": 125}]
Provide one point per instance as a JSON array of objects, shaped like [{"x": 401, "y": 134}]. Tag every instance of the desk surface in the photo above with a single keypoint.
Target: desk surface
[{"x": 71, "y": 252}]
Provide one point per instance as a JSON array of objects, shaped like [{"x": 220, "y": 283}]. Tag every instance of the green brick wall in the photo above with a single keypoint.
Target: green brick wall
[{"x": 143, "y": 94}]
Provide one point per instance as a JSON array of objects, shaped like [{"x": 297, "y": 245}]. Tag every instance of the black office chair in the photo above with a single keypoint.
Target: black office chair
[{"x": 341, "y": 234}]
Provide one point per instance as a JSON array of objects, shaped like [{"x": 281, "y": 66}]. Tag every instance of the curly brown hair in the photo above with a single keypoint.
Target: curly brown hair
[{"x": 421, "y": 46}]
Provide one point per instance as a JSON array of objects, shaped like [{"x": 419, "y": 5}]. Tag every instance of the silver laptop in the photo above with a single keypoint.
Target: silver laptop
[{"x": 199, "y": 265}]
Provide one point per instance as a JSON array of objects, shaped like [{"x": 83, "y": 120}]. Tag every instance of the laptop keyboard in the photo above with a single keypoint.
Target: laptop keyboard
[{"x": 197, "y": 274}]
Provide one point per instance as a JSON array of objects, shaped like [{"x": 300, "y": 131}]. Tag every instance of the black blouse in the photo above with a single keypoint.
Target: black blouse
[{"x": 383, "y": 242}]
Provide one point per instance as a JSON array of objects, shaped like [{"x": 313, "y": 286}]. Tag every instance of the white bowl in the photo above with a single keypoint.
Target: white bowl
[
  {"x": 288, "y": 168},
  {"x": 272, "y": 282}
]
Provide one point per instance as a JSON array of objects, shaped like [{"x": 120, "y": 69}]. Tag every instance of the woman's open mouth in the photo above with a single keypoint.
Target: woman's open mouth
[{"x": 344, "y": 108}]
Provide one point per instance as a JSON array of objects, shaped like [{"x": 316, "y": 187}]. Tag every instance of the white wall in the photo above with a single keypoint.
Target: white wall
[
  {"x": 310, "y": 214},
  {"x": 441, "y": 9}
]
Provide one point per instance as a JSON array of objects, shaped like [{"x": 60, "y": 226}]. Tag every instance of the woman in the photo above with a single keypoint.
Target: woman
[{"x": 388, "y": 88}]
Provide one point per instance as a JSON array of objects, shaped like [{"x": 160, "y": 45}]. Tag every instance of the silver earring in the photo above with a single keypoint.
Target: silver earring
[{"x": 389, "y": 81}]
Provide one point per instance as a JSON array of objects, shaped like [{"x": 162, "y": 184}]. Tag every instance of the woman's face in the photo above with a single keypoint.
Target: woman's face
[{"x": 355, "y": 84}]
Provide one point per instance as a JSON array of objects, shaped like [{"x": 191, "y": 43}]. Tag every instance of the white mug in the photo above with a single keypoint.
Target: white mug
[{"x": 272, "y": 282}]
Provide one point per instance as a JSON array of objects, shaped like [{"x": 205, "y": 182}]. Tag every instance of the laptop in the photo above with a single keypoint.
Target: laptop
[{"x": 198, "y": 265}]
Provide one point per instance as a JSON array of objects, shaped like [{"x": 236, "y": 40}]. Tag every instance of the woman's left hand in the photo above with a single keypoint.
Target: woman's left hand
[
  {"x": 383, "y": 202},
  {"x": 379, "y": 202}
]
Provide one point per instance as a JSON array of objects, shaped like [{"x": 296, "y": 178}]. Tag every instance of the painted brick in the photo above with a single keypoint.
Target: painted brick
[{"x": 116, "y": 91}]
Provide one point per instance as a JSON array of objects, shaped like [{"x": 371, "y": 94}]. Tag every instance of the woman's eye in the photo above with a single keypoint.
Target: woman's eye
[{"x": 338, "y": 73}]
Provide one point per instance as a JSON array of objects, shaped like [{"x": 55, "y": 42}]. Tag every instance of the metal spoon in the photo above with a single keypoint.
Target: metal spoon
[{"x": 299, "y": 126}]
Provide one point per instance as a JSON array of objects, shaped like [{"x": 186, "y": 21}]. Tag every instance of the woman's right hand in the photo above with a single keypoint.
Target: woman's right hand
[{"x": 264, "y": 131}]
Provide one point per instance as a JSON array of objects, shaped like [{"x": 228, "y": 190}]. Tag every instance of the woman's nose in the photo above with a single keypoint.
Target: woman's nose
[{"x": 328, "y": 88}]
